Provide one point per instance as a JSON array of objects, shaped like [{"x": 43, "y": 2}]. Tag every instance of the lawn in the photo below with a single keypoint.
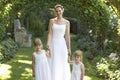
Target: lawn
[{"x": 19, "y": 68}]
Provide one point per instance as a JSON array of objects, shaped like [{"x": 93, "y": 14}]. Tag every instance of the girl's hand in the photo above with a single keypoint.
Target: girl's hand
[{"x": 33, "y": 74}]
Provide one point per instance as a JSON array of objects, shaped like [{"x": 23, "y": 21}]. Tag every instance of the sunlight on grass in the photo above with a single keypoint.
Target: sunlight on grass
[
  {"x": 5, "y": 71},
  {"x": 27, "y": 73},
  {"x": 22, "y": 55},
  {"x": 25, "y": 61},
  {"x": 87, "y": 78}
]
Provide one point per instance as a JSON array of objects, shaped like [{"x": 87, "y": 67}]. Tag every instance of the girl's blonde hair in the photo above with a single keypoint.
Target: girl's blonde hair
[
  {"x": 38, "y": 41},
  {"x": 58, "y": 5},
  {"x": 78, "y": 53}
]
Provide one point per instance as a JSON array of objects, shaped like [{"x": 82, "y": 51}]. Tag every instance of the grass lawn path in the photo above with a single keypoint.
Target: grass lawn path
[{"x": 19, "y": 68}]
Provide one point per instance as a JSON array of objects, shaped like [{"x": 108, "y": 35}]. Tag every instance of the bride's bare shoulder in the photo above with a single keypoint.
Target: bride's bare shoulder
[
  {"x": 66, "y": 21},
  {"x": 52, "y": 20}
]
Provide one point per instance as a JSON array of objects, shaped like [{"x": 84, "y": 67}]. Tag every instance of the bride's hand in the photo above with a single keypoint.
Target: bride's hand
[
  {"x": 47, "y": 47},
  {"x": 48, "y": 53},
  {"x": 69, "y": 52}
]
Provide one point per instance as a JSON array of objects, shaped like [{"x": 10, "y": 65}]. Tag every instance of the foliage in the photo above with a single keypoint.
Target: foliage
[
  {"x": 7, "y": 46},
  {"x": 36, "y": 26},
  {"x": 109, "y": 69},
  {"x": 88, "y": 46},
  {"x": 115, "y": 5},
  {"x": 2, "y": 31},
  {"x": 96, "y": 27},
  {"x": 4, "y": 11},
  {"x": 99, "y": 35},
  {"x": 119, "y": 29},
  {"x": 116, "y": 9},
  {"x": 8, "y": 50},
  {"x": 81, "y": 12}
]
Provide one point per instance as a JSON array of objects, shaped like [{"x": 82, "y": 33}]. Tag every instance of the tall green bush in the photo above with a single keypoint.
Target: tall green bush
[
  {"x": 2, "y": 31},
  {"x": 8, "y": 49},
  {"x": 7, "y": 46},
  {"x": 37, "y": 27}
]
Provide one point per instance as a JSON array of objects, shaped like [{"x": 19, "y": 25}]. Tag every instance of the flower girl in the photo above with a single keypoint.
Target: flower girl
[
  {"x": 40, "y": 66},
  {"x": 78, "y": 66}
]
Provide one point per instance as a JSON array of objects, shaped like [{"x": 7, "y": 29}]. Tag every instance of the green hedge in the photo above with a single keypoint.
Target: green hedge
[{"x": 8, "y": 49}]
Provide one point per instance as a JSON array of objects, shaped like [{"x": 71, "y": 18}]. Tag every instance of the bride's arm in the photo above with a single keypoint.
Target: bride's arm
[
  {"x": 49, "y": 33},
  {"x": 67, "y": 37}
]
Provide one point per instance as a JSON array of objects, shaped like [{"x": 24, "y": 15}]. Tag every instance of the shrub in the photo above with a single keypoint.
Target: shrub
[
  {"x": 2, "y": 31},
  {"x": 88, "y": 46},
  {"x": 37, "y": 27},
  {"x": 109, "y": 69},
  {"x": 8, "y": 49}
]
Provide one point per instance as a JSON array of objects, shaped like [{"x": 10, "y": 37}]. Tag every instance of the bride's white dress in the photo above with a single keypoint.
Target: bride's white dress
[{"x": 60, "y": 69}]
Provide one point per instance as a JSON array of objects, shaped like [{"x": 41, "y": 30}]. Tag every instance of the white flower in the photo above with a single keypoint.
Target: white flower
[{"x": 113, "y": 56}]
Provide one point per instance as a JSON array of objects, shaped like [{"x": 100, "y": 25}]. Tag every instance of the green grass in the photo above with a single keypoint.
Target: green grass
[{"x": 19, "y": 68}]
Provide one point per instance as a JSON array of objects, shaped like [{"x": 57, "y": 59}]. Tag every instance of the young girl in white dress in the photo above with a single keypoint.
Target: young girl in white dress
[
  {"x": 40, "y": 67},
  {"x": 78, "y": 66}
]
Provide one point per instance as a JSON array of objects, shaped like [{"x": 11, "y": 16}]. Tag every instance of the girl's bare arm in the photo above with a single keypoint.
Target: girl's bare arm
[
  {"x": 82, "y": 71},
  {"x": 70, "y": 61},
  {"x": 33, "y": 66}
]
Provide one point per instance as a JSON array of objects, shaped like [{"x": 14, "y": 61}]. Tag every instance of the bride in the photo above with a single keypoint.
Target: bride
[{"x": 58, "y": 43}]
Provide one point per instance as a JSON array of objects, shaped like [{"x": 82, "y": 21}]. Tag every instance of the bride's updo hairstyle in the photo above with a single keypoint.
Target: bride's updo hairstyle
[{"x": 58, "y": 5}]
